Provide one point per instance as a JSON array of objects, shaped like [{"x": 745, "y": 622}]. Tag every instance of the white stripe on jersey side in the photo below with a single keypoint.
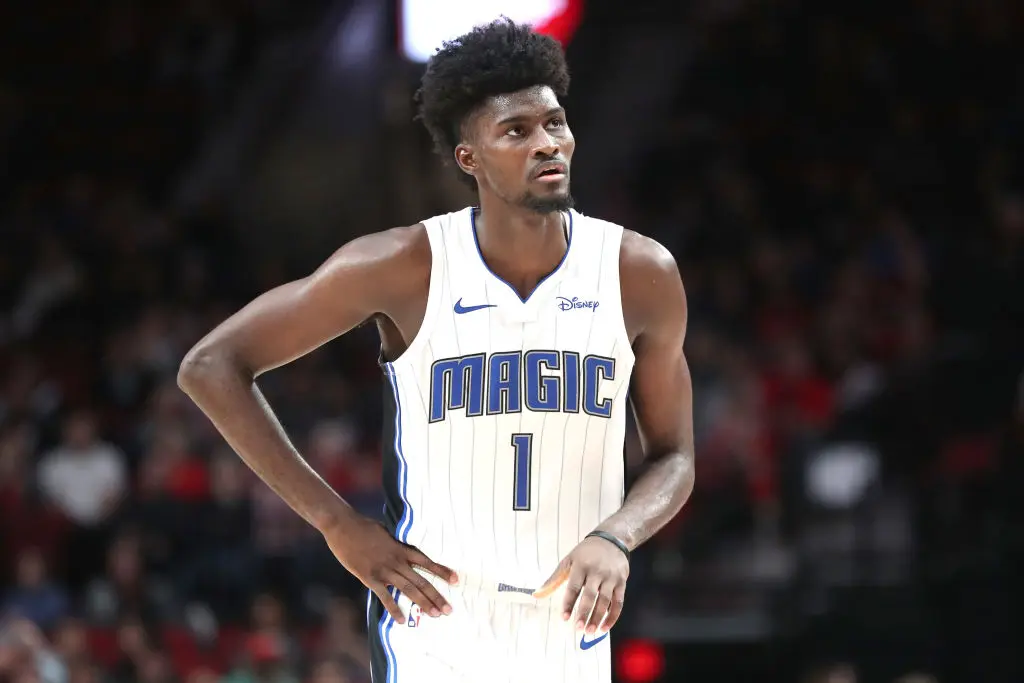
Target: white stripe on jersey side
[
  {"x": 402, "y": 531},
  {"x": 386, "y": 641},
  {"x": 369, "y": 602}
]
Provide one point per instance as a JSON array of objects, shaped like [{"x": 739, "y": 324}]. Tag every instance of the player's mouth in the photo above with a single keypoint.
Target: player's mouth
[{"x": 551, "y": 172}]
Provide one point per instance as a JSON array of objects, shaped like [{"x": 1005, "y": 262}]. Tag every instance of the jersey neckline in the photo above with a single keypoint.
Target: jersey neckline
[{"x": 543, "y": 280}]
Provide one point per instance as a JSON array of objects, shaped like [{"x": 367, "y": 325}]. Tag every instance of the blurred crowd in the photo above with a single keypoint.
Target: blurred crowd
[
  {"x": 843, "y": 190},
  {"x": 844, "y": 195},
  {"x": 136, "y": 546}
]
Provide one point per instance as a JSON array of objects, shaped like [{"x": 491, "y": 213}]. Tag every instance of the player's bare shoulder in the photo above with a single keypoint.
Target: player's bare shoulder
[
  {"x": 364, "y": 279},
  {"x": 395, "y": 270},
  {"x": 379, "y": 270},
  {"x": 652, "y": 288},
  {"x": 401, "y": 256}
]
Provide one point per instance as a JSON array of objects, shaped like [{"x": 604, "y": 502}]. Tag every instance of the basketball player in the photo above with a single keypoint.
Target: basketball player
[{"x": 510, "y": 334}]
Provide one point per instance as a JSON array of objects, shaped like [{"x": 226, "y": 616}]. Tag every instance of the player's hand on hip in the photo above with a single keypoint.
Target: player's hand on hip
[
  {"x": 374, "y": 557},
  {"x": 595, "y": 574}
]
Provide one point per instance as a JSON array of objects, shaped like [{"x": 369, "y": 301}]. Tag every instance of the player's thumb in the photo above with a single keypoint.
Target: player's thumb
[{"x": 559, "y": 577}]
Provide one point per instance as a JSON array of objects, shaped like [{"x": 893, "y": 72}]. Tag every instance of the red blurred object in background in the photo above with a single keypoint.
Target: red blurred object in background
[
  {"x": 640, "y": 661},
  {"x": 563, "y": 25},
  {"x": 423, "y": 25}
]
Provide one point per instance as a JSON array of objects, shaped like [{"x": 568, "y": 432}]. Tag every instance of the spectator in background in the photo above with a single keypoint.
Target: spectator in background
[
  {"x": 85, "y": 672},
  {"x": 332, "y": 453},
  {"x": 167, "y": 411},
  {"x": 222, "y": 569},
  {"x": 86, "y": 479},
  {"x": 134, "y": 642},
  {"x": 126, "y": 588},
  {"x": 55, "y": 278},
  {"x": 71, "y": 641},
  {"x": 154, "y": 667},
  {"x": 335, "y": 453},
  {"x": 25, "y": 522},
  {"x": 268, "y": 617},
  {"x": 329, "y": 671},
  {"x": 264, "y": 661},
  {"x": 799, "y": 399},
  {"x": 17, "y": 444},
  {"x": 34, "y": 596},
  {"x": 332, "y": 449},
  {"x": 26, "y": 392},
  {"x": 123, "y": 383},
  {"x": 162, "y": 518},
  {"x": 182, "y": 476},
  {"x": 279, "y": 536},
  {"x": 25, "y": 655},
  {"x": 343, "y": 642}
]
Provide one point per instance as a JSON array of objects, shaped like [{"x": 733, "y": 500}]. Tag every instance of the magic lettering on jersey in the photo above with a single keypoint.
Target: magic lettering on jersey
[{"x": 539, "y": 381}]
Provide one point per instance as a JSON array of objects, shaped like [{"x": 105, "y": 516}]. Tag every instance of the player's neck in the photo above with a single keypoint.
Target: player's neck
[
  {"x": 520, "y": 247},
  {"x": 514, "y": 234}
]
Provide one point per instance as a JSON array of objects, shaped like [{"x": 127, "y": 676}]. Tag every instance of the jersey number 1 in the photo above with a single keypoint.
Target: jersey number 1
[{"x": 522, "y": 445}]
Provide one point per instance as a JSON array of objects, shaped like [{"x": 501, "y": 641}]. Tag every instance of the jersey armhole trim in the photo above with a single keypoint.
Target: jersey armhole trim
[
  {"x": 621, "y": 333},
  {"x": 437, "y": 265}
]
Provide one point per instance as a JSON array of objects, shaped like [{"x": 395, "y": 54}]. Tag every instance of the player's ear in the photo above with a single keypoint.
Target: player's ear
[{"x": 466, "y": 158}]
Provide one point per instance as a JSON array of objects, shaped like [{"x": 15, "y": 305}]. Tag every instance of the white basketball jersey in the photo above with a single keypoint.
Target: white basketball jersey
[{"x": 510, "y": 414}]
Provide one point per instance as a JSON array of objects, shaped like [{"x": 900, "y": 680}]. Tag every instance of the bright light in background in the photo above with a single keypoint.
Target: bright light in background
[
  {"x": 426, "y": 24},
  {"x": 640, "y": 661}
]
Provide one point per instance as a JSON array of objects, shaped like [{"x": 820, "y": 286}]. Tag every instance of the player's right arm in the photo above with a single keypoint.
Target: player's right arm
[{"x": 367, "y": 277}]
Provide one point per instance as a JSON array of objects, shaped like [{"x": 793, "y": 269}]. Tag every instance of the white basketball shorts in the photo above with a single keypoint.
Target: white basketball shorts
[{"x": 487, "y": 637}]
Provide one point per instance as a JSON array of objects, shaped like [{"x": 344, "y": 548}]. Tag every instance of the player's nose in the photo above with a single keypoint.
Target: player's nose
[{"x": 545, "y": 146}]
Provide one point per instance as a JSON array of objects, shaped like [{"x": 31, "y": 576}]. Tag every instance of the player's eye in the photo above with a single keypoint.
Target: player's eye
[
  {"x": 515, "y": 131},
  {"x": 556, "y": 123}
]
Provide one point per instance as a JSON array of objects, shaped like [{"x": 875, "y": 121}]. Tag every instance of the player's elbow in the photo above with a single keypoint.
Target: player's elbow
[
  {"x": 191, "y": 369},
  {"x": 688, "y": 470},
  {"x": 200, "y": 366}
]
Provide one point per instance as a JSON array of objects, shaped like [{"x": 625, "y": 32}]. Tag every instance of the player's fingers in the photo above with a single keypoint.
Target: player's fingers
[
  {"x": 573, "y": 586},
  {"x": 442, "y": 572},
  {"x": 601, "y": 605},
  {"x": 554, "y": 581},
  {"x": 422, "y": 592},
  {"x": 386, "y": 599},
  {"x": 412, "y": 591},
  {"x": 588, "y": 595},
  {"x": 615, "y": 609}
]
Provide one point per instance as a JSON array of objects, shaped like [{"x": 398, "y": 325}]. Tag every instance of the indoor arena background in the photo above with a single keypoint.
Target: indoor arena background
[{"x": 841, "y": 183}]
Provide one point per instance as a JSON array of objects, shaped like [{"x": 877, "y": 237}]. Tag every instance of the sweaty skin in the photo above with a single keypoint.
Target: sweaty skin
[{"x": 385, "y": 277}]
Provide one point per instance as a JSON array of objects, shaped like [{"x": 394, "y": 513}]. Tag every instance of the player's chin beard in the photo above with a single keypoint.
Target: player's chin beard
[{"x": 546, "y": 205}]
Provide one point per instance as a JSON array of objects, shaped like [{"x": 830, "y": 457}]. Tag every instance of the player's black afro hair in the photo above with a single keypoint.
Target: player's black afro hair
[{"x": 494, "y": 59}]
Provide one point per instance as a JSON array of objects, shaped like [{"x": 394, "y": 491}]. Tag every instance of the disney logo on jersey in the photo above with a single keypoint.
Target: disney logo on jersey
[{"x": 565, "y": 304}]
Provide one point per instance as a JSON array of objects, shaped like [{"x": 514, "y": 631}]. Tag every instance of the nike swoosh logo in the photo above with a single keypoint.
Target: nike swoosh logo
[
  {"x": 459, "y": 308},
  {"x": 587, "y": 644}
]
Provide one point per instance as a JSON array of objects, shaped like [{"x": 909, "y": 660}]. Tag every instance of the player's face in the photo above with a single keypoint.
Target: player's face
[{"x": 521, "y": 148}]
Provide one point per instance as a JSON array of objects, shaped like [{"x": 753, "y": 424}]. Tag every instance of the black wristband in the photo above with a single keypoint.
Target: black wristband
[{"x": 611, "y": 539}]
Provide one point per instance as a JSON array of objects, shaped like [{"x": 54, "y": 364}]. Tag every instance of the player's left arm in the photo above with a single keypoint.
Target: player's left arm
[
  {"x": 661, "y": 391},
  {"x": 654, "y": 305}
]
